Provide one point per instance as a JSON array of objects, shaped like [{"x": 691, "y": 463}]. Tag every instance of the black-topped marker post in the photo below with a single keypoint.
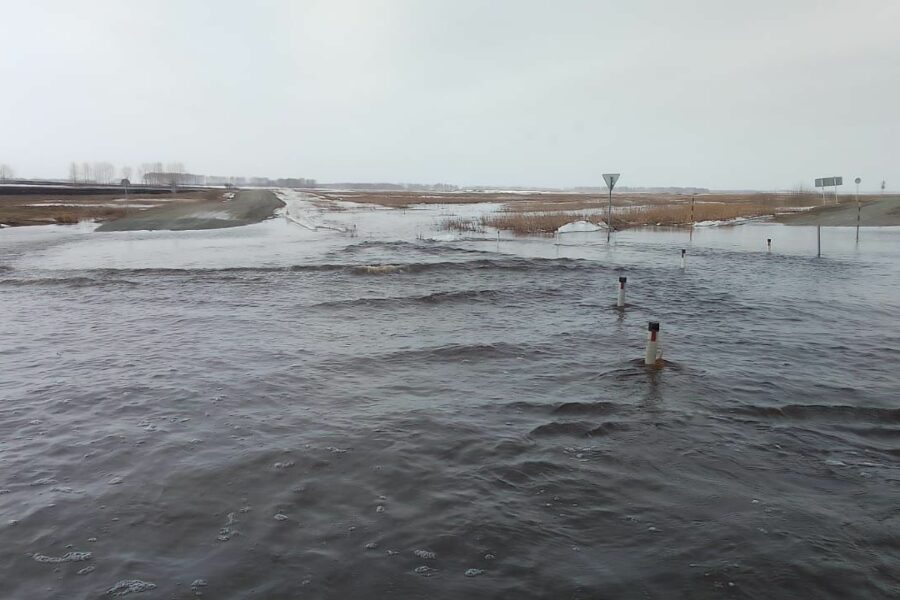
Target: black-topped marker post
[
  {"x": 652, "y": 343},
  {"x": 620, "y": 302}
]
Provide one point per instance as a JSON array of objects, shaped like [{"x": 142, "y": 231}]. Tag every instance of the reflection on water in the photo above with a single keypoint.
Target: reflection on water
[{"x": 261, "y": 411}]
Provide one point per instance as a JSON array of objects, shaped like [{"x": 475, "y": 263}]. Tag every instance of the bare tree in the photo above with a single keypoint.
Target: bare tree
[
  {"x": 87, "y": 174},
  {"x": 73, "y": 172},
  {"x": 6, "y": 172},
  {"x": 104, "y": 172}
]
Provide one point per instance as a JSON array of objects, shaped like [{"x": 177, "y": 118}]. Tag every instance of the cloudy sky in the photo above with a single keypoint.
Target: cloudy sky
[{"x": 723, "y": 94}]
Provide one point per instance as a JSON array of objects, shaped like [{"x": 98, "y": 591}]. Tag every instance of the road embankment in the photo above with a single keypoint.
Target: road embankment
[
  {"x": 245, "y": 208},
  {"x": 873, "y": 213}
]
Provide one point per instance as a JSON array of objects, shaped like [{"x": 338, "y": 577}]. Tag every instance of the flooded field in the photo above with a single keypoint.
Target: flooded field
[{"x": 359, "y": 404}]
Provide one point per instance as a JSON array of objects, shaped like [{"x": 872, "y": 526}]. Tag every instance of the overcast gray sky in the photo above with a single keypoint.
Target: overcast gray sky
[{"x": 715, "y": 93}]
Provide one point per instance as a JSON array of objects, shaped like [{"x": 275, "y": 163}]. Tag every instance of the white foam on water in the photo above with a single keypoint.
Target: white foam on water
[
  {"x": 44, "y": 481},
  {"x": 67, "y": 557},
  {"x": 225, "y": 532},
  {"x": 129, "y": 586}
]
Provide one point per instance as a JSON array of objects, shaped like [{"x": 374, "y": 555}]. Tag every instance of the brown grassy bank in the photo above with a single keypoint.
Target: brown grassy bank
[
  {"x": 45, "y": 209},
  {"x": 530, "y": 215},
  {"x": 558, "y": 201},
  {"x": 520, "y": 223},
  {"x": 544, "y": 212}
]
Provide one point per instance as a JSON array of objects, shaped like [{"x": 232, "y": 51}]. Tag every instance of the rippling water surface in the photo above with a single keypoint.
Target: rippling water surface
[{"x": 276, "y": 412}]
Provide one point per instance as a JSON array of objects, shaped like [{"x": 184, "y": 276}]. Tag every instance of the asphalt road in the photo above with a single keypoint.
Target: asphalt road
[
  {"x": 245, "y": 208},
  {"x": 874, "y": 213}
]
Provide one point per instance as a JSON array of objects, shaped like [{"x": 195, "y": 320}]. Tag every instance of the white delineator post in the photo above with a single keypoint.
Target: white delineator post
[
  {"x": 621, "y": 300},
  {"x": 769, "y": 244},
  {"x": 652, "y": 343},
  {"x": 683, "y": 258}
]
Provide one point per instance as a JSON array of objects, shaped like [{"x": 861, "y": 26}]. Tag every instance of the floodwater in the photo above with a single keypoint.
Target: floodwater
[{"x": 286, "y": 410}]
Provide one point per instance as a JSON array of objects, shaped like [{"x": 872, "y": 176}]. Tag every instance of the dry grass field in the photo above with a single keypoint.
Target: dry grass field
[
  {"x": 545, "y": 212},
  {"x": 46, "y": 209}
]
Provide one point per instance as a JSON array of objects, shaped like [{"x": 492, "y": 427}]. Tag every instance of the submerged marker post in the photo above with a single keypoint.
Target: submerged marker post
[
  {"x": 819, "y": 240},
  {"x": 683, "y": 258},
  {"x": 620, "y": 302},
  {"x": 652, "y": 343},
  {"x": 769, "y": 244}
]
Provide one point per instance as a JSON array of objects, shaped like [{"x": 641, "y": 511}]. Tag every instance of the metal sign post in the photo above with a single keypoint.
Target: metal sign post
[
  {"x": 858, "y": 209},
  {"x": 610, "y": 179},
  {"x": 824, "y": 182}
]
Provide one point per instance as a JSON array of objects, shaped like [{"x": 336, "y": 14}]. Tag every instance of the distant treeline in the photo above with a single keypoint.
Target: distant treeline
[
  {"x": 169, "y": 174},
  {"x": 409, "y": 187},
  {"x": 170, "y": 178}
]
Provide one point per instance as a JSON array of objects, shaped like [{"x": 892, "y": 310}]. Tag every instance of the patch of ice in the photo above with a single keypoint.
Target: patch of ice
[{"x": 304, "y": 213}]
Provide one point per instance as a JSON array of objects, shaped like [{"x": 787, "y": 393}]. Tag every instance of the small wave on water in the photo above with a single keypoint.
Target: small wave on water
[
  {"x": 841, "y": 413},
  {"x": 436, "y": 299}
]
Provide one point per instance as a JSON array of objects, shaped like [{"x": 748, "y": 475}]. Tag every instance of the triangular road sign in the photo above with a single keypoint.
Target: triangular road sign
[{"x": 610, "y": 179}]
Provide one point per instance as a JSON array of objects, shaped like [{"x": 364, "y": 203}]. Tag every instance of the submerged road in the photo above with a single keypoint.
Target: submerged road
[
  {"x": 244, "y": 208},
  {"x": 878, "y": 213}
]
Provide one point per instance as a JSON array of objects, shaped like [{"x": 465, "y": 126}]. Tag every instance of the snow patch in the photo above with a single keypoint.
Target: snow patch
[{"x": 581, "y": 226}]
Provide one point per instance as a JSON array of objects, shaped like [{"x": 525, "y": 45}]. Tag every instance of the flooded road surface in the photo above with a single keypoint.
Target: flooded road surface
[{"x": 285, "y": 411}]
